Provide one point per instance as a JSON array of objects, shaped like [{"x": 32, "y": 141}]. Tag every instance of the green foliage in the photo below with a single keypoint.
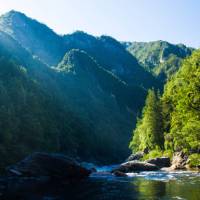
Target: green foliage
[
  {"x": 153, "y": 154},
  {"x": 160, "y": 58},
  {"x": 168, "y": 153},
  {"x": 179, "y": 112},
  {"x": 149, "y": 129},
  {"x": 194, "y": 160},
  {"x": 157, "y": 152},
  {"x": 182, "y": 100}
]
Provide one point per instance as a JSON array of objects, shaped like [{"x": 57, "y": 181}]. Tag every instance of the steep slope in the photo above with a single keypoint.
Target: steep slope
[
  {"x": 160, "y": 58},
  {"x": 50, "y": 48},
  {"x": 30, "y": 118},
  {"x": 102, "y": 101},
  {"x": 125, "y": 95},
  {"x": 112, "y": 56},
  {"x": 36, "y": 37},
  {"x": 78, "y": 108}
]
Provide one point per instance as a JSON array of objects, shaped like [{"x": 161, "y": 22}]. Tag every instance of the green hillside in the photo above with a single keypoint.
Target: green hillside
[{"x": 160, "y": 58}]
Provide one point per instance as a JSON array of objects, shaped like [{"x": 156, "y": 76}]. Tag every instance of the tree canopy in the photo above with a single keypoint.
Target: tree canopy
[{"x": 175, "y": 115}]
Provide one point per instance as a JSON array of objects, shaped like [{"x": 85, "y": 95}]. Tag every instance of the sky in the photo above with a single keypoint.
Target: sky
[{"x": 176, "y": 21}]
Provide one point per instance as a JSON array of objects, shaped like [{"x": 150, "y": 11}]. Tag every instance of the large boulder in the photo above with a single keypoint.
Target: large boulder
[
  {"x": 135, "y": 166},
  {"x": 160, "y": 162},
  {"x": 49, "y": 165},
  {"x": 179, "y": 161},
  {"x": 136, "y": 156}
]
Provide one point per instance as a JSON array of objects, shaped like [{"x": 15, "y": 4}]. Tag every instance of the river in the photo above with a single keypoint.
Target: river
[{"x": 157, "y": 185}]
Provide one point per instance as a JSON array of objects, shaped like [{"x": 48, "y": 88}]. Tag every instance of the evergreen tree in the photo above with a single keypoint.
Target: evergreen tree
[{"x": 149, "y": 129}]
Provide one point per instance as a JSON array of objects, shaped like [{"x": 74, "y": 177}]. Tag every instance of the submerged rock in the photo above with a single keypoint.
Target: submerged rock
[
  {"x": 160, "y": 162},
  {"x": 135, "y": 166},
  {"x": 56, "y": 166}
]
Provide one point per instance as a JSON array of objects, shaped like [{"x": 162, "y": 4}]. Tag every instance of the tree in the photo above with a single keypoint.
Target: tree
[{"x": 149, "y": 129}]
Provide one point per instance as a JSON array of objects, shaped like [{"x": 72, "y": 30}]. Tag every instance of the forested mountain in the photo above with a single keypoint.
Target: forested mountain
[
  {"x": 179, "y": 112},
  {"x": 75, "y": 94},
  {"x": 111, "y": 55},
  {"x": 67, "y": 109},
  {"x": 50, "y": 48},
  {"x": 161, "y": 58}
]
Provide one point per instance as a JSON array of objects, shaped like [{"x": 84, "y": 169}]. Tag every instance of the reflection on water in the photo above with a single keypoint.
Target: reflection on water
[
  {"x": 145, "y": 185},
  {"x": 152, "y": 185}
]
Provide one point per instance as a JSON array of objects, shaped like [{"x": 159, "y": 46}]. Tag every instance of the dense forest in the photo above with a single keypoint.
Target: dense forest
[{"x": 171, "y": 122}]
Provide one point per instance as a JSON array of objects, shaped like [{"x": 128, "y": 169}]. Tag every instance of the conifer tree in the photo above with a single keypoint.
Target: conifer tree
[{"x": 149, "y": 129}]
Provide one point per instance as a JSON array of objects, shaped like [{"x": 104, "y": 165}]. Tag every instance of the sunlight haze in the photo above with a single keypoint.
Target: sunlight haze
[{"x": 126, "y": 20}]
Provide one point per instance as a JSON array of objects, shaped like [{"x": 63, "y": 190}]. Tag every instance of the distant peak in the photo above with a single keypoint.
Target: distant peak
[{"x": 14, "y": 13}]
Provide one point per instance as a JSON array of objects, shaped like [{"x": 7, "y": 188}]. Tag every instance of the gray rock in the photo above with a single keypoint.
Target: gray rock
[
  {"x": 49, "y": 165},
  {"x": 160, "y": 162},
  {"x": 135, "y": 166}
]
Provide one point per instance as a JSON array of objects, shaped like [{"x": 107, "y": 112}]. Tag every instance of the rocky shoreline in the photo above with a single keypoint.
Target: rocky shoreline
[{"x": 134, "y": 164}]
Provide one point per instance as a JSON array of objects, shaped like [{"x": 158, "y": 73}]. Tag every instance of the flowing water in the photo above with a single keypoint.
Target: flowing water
[{"x": 158, "y": 185}]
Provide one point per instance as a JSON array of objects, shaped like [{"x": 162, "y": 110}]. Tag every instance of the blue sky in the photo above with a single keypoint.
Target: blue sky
[{"x": 176, "y": 21}]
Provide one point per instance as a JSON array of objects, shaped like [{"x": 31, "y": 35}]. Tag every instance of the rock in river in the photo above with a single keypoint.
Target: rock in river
[
  {"x": 55, "y": 166},
  {"x": 135, "y": 166}
]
